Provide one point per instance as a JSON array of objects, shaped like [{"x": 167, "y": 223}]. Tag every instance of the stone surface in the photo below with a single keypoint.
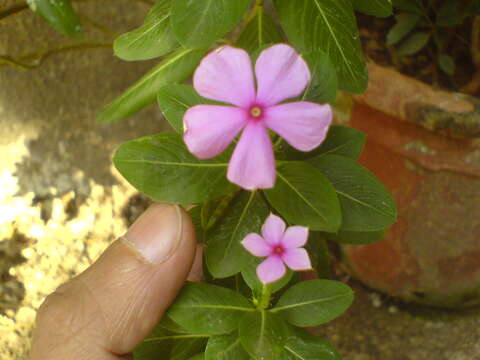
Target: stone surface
[{"x": 61, "y": 202}]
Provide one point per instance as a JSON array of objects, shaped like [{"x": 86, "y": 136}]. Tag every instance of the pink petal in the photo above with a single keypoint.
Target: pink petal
[
  {"x": 252, "y": 165},
  {"x": 303, "y": 125},
  {"x": 256, "y": 245},
  {"x": 209, "y": 129},
  {"x": 273, "y": 229},
  {"x": 271, "y": 269},
  {"x": 295, "y": 237},
  {"x": 297, "y": 259},
  {"x": 281, "y": 74},
  {"x": 226, "y": 75}
]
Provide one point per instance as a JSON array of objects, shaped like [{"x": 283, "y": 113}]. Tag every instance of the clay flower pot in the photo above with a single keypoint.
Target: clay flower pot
[{"x": 423, "y": 144}]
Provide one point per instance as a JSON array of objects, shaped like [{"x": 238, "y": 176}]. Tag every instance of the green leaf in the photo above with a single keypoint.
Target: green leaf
[
  {"x": 158, "y": 342},
  {"x": 184, "y": 349},
  {"x": 263, "y": 334},
  {"x": 304, "y": 196},
  {"x": 446, "y": 63},
  {"x": 314, "y": 302},
  {"x": 303, "y": 346},
  {"x": 261, "y": 30},
  {"x": 225, "y": 347},
  {"x": 414, "y": 43},
  {"x": 406, "y": 22},
  {"x": 323, "y": 86},
  {"x": 208, "y": 309},
  {"x": 59, "y": 14},
  {"x": 330, "y": 26},
  {"x": 162, "y": 167},
  {"x": 366, "y": 204},
  {"x": 249, "y": 274},
  {"x": 153, "y": 39},
  {"x": 195, "y": 214},
  {"x": 175, "y": 99},
  {"x": 415, "y": 6},
  {"x": 198, "y": 357},
  {"x": 319, "y": 253},
  {"x": 380, "y": 8},
  {"x": 225, "y": 255},
  {"x": 174, "y": 68},
  {"x": 357, "y": 237},
  {"x": 450, "y": 13},
  {"x": 198, "y": 23}
]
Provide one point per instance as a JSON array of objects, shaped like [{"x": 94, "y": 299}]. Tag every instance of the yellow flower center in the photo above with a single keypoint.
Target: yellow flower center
[{"x": 255, "y": 112}]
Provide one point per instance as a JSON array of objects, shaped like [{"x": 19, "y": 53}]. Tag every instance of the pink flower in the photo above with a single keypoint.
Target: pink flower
[
  {"x": 226, "y": 75},
  {"x": 279, "y": 246}
]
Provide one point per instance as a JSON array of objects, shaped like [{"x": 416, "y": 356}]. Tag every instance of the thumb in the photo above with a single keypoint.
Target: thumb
[{"x": 111, "y": 307}]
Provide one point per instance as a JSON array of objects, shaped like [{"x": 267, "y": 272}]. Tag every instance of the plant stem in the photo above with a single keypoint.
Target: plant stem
[{"x": 264, "y": 301}]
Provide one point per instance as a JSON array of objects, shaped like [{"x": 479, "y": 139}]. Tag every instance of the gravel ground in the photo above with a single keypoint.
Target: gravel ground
[{"x": 61, "y": 202}]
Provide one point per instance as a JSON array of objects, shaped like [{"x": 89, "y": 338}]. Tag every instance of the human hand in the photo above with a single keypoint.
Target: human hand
[{"x": 105, "y": 312}]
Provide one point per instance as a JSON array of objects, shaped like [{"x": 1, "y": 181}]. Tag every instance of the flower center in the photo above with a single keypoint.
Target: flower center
[
  {"x": 278, "y": 250},
  {"x": 256, "y": 112}
]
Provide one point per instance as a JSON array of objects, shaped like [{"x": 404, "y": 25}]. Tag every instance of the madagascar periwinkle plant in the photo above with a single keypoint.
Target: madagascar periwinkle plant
[{"x": 255, "y": 152}]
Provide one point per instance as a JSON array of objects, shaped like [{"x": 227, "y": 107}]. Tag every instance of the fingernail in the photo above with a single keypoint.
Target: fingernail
[{"x": 157, "y": 233}]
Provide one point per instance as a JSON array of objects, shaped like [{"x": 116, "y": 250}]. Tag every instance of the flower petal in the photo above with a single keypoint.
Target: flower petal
[
  {"x": 226, "y": 75},
  {"x": 209, "y": 129},
  {"x": 303, "y": 125},
  {"x": 252, "y": 165},
  {"x": 281, "y": 74},
  {"x": 271, "y": 270},
  {"x": 273, "y": 229},
  {"x": 256, "y": 245},
  {"x": 295, "y": 237},
  {"x": 297, "y": 259}
]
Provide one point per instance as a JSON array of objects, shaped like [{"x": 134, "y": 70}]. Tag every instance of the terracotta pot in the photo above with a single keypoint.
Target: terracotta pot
[{"x": 432, "y": 254}]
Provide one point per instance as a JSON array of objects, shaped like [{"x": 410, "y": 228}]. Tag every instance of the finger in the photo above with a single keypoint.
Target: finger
[{"x": 106, "y": 311}]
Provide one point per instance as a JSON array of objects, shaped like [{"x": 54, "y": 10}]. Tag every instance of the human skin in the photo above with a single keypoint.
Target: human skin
[{"x": 106, "y": 311}]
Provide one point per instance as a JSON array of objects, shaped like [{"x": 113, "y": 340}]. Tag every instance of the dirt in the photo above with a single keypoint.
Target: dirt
[{"x": 62, "y": 203}]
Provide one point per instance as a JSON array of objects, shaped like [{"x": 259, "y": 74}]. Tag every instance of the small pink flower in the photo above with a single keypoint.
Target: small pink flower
[
  {"x": 279, "y": 246},
  {"x": 226, "y": 75}
]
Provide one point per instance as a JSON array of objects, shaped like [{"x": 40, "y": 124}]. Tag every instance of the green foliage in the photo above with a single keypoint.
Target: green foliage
[
  {"x": 198, "y": 23},
  {"x": 303, "y": 346},
  {"x": 225, "y": 256},
  {"x": 366, "y": 204},
  {"x": 59, "y": 14},
  {"x": 414, "y": 43},
  {"x": 162, "y": 167},
  {"x": 175, "y": 68},
  {"x": 208, "y": 309},
  {"x": 406, "y": 22},
  {"x": 314, "y": 302},
  {"x": 304, "y": 196},
  {"x": 330, "y": 26},
  {"x": 260, "y": 30},
  {"x": 225, "y": 347},
  {"x": 153, "y": 39},
  {"x": 380, "y": 8},
  {"x": 323, "y": 86}
]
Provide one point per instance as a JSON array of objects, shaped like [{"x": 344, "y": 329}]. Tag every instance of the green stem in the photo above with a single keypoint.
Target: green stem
[{"x": 264, "y": 302}]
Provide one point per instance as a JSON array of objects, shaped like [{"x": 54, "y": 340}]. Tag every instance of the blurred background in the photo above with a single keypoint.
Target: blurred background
[{"x": 62, "y": 202}]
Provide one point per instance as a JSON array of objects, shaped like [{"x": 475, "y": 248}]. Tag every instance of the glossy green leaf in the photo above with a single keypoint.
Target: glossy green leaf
[
  {"x": 208, "y": 309},
  {"x": 59, "y": 14},
  {"x": 198, "y": 23},
  {"x": 303, "y": 346},
  {"x": 261, "y": 30},
  {"x": 162, "y": 167},
  {"x": 414, "y": 43},
  {"x": 323, "y": 85},
  {"x": 175, "y": 99},
  {"x": 195, "y": 214},
  {"x": 304, "y": 196},
  {"x": 184, "y": 349},
  {"x": 314, "y": 302},
  {"x": 174, "y": 68},
  {"x": 446, "y": 63},
  {"x": 330, "y": 26},
  {"x": 153, "y": 39},
  {"x": 170, "y": 325},
  {"x": 225, "y": 255},
  {"x": 380, "y": 8},
  {"x": 160, "y": 341},
  {"x": 263, "y": 334},
  {"x": 319, "y": 253},
  {"x": 198, "y": 357},
  {"x": 406, "y": 22},
  {"x": 225, "y": 347},
  {"x": 357, "y": 237},
  {"x": 366, "y": 204}
]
